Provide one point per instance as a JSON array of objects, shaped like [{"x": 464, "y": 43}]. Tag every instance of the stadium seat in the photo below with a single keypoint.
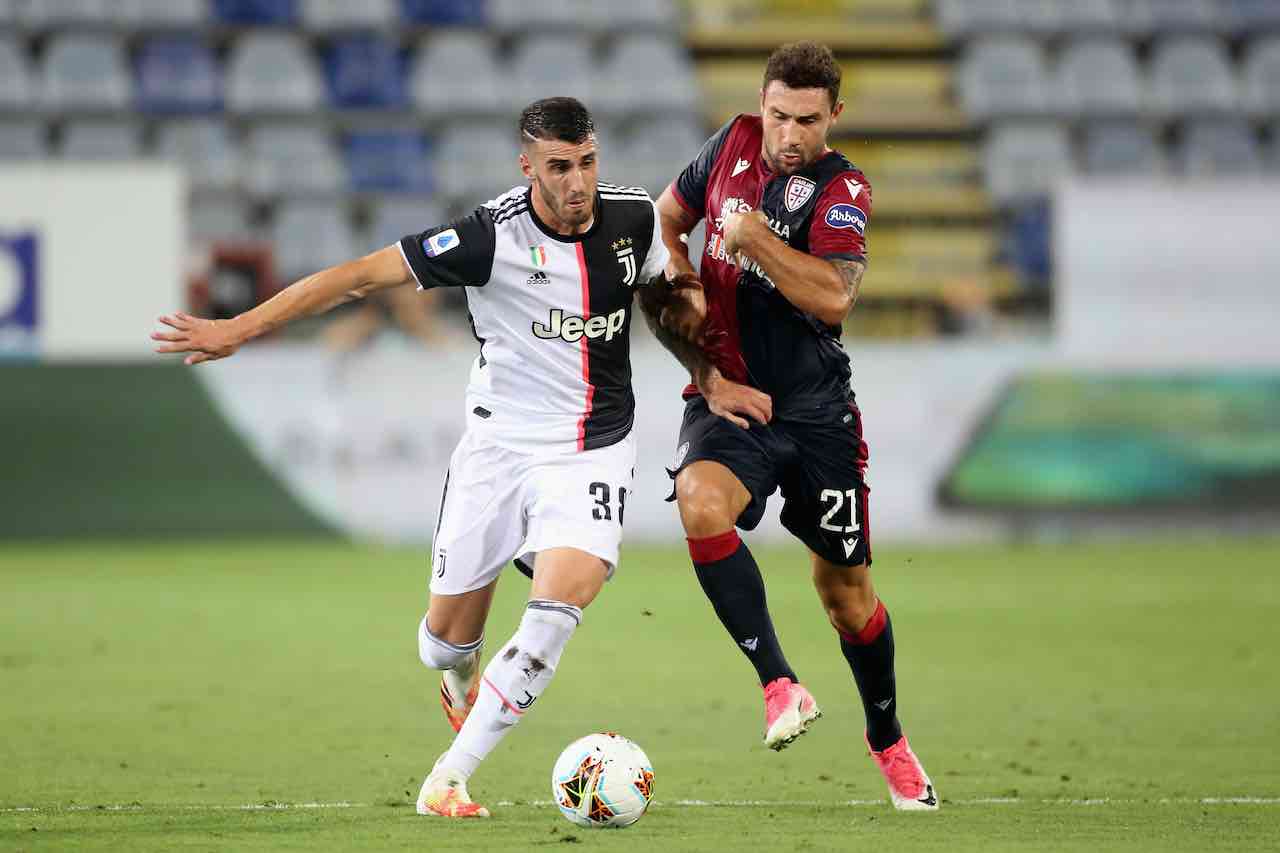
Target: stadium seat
[
  {"x": 16, "y": 90},
  {"x": 477, "y": 162},
  {"x": 22, "y": 140},
  {"x": 652, "y": 154},
  {"x": 1004, "y": 77},
  {"x": 628, "y": 16},
  {"x": 658, "y": 60},
  {"x": 964, "y": 18},
  {"x": 1210, "y": 148},
  {"x": 1023, "y": 161},
  {"x": 1121, "y": 148},
  {"x": 1249, "y": 17},
  {"x": 45, "y": 13},
  {"x": 310, "y": 236},
  {"x": 178, "y": 74},
  {"x": 168, "y": 13},
  {"x": 288, "y": 159},
  {"x": 85, "y": 72},
  {"x": 344, "y": 14},
  {"x": 218, "y": 219},
  {"x": 394, "y": 218},
  {"x": 205, "y": 149},
  {"x": 558, "y": 15},
  {"x": 1098, "y": 77},
  {"x": 533, "y": 75},
  {"x": 1261, "y": 71},
  {"x": 1091, "y": 16},
  {"x": 388, "y": 161},
  {"x": 444, "y": 13},
  {"x": 272, "y": 72},
  {"x": 8, "y": 11},
  {"x": 458, "y": 74},
  {"x": 1172, "y": 16},
  {"x": 257, "y": 12},
  {"x": 101, "y": 140},
  {"x": 365, "y": 71},
  {"x": 1192, "y": 76}
]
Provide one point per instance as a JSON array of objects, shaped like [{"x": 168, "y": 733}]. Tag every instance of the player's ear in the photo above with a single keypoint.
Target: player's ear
[
  {"x": 525, "y": 165},
  {"x": 836, "y": 110},
  {"x": 761, "y": 101}
]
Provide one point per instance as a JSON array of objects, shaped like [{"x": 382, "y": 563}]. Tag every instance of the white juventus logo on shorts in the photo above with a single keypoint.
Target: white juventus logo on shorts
[{"x": 626, "y": 257}]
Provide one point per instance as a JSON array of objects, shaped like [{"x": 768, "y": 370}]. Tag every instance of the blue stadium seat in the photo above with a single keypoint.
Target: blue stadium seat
[
  {"x": 257, "y": 11},
  {"x": 16, "y": 90},
  {"x": 1029, "y": 242},
  {"x": 389, "y": 161},
  {"x": 178, "y": 74},
  {"x": 445, "y": 13},
  {"x": 365, "y": 71}
]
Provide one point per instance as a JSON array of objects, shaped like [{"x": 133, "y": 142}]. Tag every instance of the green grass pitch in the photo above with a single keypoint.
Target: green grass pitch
[{"x": 1104, "y": 696}]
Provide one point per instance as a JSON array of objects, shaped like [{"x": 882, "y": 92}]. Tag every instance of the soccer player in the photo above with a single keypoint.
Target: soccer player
[
  {"x": 543, "y": 470},
  {"x": 785, "y": 255}
]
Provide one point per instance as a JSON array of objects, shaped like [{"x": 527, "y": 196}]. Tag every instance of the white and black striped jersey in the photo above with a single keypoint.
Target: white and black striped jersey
[{"x": 552, "y": 313}]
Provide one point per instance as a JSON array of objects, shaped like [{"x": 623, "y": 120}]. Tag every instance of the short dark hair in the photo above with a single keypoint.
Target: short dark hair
[
  {"x": 562, "y": 119},
  {"x": 804, "y": 65}
]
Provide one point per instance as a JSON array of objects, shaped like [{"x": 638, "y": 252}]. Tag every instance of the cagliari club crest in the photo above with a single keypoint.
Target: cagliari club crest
[
  {"x": 797, "y": 193},
  {"x": 627, "y": 257}
]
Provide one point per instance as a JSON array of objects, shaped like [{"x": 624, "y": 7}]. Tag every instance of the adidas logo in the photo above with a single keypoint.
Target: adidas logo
[
  {"x": 750, "y": 645},
  {"x": 538, "y": 278}
]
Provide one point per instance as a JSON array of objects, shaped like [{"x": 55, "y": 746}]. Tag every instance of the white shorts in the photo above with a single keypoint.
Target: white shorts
[{"x": 501, "y": 504}]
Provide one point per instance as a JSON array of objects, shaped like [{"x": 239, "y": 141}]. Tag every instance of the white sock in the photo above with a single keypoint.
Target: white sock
[
  {"x": 436, "y": 653},
  {"x": 513, "y": 680}
]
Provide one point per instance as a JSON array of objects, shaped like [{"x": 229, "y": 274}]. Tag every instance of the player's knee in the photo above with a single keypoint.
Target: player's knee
[
  {"x": 704, "y": 509},
  {"x": 850, "y": 612},
  {"x": 436, "y": 653}
]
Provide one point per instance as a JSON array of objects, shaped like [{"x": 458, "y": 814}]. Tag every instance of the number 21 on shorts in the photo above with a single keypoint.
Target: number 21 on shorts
[{"x": 837, "y": 499}]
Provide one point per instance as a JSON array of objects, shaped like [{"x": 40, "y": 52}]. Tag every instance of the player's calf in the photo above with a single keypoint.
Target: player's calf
[{"x": 460, "y": 679}]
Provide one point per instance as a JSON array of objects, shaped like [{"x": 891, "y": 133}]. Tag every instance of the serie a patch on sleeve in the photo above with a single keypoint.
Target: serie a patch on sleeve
[{"x": 438, "y": 244}]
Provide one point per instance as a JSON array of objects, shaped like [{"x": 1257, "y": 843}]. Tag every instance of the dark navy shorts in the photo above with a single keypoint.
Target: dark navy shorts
[{"x": 819, "y": 461}]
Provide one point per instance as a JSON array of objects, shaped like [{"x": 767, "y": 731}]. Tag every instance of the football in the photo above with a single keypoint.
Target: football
[{"x": 602, "y": 780}]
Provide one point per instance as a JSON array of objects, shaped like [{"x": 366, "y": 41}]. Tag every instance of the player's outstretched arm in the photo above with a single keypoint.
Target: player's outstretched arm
[
  {"x": 825, "y": 289},
  {"x": 209, "y": 340}
]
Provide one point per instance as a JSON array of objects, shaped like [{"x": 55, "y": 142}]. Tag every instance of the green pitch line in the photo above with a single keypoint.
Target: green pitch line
[{"x": 1118, "y": 696}]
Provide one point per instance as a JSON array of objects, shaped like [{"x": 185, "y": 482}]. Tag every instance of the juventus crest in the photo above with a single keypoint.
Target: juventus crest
[{"x": 627, "y": 257}]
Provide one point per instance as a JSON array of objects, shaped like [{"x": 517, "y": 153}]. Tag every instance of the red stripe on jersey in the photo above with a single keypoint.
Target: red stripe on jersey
[{"x": 582, "y": 342}]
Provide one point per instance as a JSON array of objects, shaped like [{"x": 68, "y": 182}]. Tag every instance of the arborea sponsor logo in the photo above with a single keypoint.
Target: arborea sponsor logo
[
  {"x": 847, "y": 216},
  {"x": 574, "y": 327}
]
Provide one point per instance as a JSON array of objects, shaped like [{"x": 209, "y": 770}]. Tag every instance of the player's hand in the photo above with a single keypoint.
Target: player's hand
[
  {"x": 686, "y": 307},
  {"x": 206, "y": 340},
  {"x": 739, "y": 227},
  {"x": 731, "y": 401}
]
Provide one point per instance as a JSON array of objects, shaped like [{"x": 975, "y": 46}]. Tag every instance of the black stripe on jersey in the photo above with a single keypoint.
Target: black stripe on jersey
[
  {"x": 509, "y": 214},
  {"x": 518, "y": 201},
  {"x": 622, "y": 224},
  {"x": 616, "y": 188}
]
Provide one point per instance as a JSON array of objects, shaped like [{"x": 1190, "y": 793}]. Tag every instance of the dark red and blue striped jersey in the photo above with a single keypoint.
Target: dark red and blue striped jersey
[{"x": 754, "y": 335}]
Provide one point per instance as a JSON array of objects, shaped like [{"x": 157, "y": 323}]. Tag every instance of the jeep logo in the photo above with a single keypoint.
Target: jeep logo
[{"x": 571, "y": 327}]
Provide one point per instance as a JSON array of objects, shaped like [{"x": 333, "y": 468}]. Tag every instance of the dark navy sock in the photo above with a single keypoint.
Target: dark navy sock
[
  {"x": 731, "y": 580},
  {"x": 870, "y": 656}
]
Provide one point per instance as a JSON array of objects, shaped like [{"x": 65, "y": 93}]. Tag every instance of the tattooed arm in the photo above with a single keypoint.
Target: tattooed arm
[{"x": 725, "y": 398}]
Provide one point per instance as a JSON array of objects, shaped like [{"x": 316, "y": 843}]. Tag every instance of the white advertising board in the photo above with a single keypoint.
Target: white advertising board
[{"x": 89, "y": 254}]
